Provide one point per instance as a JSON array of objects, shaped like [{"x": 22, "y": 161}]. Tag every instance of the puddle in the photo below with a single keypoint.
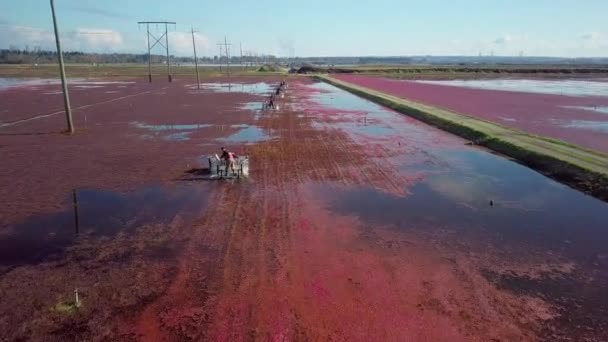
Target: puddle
[
  {"x": 89, "y": 86},
  {"x": 596, "y": 109},
  {"x": 182, "y": 136},
  {"x": 328, "y": 96},
  {"x": 529, "y": 209},
  {"x": 175, "y": 134},
  {"x": 358, "y": 117},
  {"x": 250, "y": 134},
  {"x": 253, "y": 106},
  {"x": 260, "y": 88},
  {"x": 357, "y": 129},
  {"x": 176, "y": 127},
  {"x": 93, "y": 214},
  {"x": 553, "y": 87},
  {"x": 598, "y": 126},
  {"x": 6, "y": 83}
]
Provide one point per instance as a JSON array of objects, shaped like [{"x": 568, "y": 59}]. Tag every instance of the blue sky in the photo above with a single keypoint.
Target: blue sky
[{"x": 320, "y": 28}]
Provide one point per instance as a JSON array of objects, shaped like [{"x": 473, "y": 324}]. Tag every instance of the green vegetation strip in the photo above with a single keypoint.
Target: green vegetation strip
[{"x": 580, "y": 168}]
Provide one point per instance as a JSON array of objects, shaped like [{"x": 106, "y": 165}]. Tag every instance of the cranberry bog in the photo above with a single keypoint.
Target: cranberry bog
[
  {"x": 355, "y": 223},
  {"x": 574, "y": 111}
]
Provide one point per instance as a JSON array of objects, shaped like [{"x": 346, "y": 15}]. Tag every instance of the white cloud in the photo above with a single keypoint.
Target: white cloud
[
  {"x": 510, "y": 39},
  {"x": 592, "y": 36},
  {"x": 81, "y": 39},
  {"x": 20, "y": 36},
  {"x": 180, "y": 44},
  {"x": 90, "y": 39},
  {"x": 286, "y": 47},
  {"x": 594, "y": 40}
]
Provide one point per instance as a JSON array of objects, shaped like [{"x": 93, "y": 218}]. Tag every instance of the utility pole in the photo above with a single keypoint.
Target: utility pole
[
  {"x": 226, "y": 45},
  {"x": 219, "y": 45},
  {"x": 149, "y": 56},
  {"x": 227, "y": 55},
  {"x": 241, "y": 47},
  {"x": 168, "y": 61},
  {"x": 64, "y": 83},
  {"x": 198, "y": 81},
  {"x": 158, "y": 41}
]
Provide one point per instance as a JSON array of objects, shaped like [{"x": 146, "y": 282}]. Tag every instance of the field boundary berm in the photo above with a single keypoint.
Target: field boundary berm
[{"x": 575, "y": 166}]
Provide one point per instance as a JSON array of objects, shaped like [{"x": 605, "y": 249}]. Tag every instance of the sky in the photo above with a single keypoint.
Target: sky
[{"x": 565, "y": 28}]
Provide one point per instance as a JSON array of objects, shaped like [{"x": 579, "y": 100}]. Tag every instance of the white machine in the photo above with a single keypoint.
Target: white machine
[{"x": 218, "y": 167}]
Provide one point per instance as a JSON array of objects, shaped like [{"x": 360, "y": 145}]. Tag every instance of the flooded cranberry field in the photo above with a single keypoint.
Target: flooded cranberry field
[
  {"x": 570, "y": 110},
  {"x": 355, "y": 223}
]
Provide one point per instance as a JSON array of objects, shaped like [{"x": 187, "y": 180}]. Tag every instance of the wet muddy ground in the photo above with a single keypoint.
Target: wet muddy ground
[
  {"x": 356, "y": 223},
  {"x": 570, "y": 110}
]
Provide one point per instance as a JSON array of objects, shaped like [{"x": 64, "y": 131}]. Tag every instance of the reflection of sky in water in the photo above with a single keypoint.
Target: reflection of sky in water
[
  {"x": 175, "y": 134},
  {"x": 598, "y": 126},
  {"x": 529, "y": 208},
  {"x": 335, "y": 98},
  {"x": 467, "y": 190},
  {"x": 260, "y": 88},
  {"x": 182, "y": 136},
  {"x": 31, "y": 82},
  {"x": 348, "y": 108},
  {"x": 596, "y": 109},
  {"x": 177, "y": 127},
  {"x": 252, "y": 106},
  {"x": 248, "y": 134},
  {"x": 356, "y": 130},
  {"x": 556, "y": 87},
  {"x": 100, "y": 213}
]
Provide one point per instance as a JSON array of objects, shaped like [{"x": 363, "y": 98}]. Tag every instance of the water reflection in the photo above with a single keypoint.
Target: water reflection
[
  {"x": 248, "y": 134},
  {"x": 260, "y": 88},
  {"x": 95, "y": 213}
]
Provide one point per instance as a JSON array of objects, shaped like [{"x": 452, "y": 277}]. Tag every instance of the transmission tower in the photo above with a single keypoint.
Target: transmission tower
[
  {"x": 159, "y": 42},
  {"x": 241, "y": 47},
  {"x": 226, "y": 46}
]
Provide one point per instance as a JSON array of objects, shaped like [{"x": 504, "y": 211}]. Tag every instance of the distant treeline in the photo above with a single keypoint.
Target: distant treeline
[
  {"x": 448, "y": 60},
  {"x": 14, "y": 56},
  {"x": 538, "y": 69}
]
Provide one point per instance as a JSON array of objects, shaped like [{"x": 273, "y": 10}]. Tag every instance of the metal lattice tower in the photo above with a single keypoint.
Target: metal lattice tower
[
  {"x": 159, "y": 42},
  {"x": 226, "y": 46}
]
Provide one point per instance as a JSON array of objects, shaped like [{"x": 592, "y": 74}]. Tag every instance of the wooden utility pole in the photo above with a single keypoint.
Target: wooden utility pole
[
  {"x": 198, "y": 81},
  {"x": 64, "y": 82},
  {"x": 168, "y": 60},
  {"x": 149, "y": 56},
  {"x": 219, "y": 45},
  {"x": 241, "y": 47},
  {"x": 227, "y": 55}
]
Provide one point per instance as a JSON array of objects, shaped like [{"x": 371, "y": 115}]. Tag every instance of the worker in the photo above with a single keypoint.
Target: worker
[{"x": 229, "y": 157}]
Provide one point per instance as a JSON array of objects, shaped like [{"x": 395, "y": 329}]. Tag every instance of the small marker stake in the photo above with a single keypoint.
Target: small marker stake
[{"x": 77, "y": 301}]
